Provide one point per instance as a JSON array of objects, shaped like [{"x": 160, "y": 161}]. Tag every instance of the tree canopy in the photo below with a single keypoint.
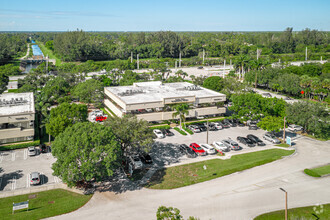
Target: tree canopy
[
  {"x": 90, "y": 91},
  {"x": 85, "y": 152},
  {"x": 214, "y": 83}
]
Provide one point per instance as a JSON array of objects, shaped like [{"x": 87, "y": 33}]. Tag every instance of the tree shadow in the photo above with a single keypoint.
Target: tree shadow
[
  {"x": 9, "y": 177},
  {"x": 164, "y": 154}
]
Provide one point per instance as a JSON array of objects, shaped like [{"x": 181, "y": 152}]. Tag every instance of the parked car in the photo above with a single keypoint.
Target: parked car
[
  {"x": 34, "y": 178},
  {"x": 271, "y": 137},
  {"x": 145, "y": 158},
  {"x": 266, "y": 95},
  {"x": 224, "y": 124},
  {"x": 231, "y": 144},
  {"x": 136, "y": 162},
  {"x": 167, "y": 132},
  {"x": 184, "y": 149},
  {"x": 253, "y": 127},
  {"x": 232, "y": 123},
  {"x": 245, "y": 141},
  {"x": 158, "y": 133},
  {"x": 212, "y": 126},
  {"x": 198, "y": 150},
  {"x": 218, "y": 125},
  {"x": 219, "y": 146},
  {"x": 202, "y": 127},
  {"x": 32, "y": 151},
  {"x": 256, "y": 140},
  {"x": 239, "y": 123},
  {"x": 294, "y": 128},
  {"x": 194, "y": 128},
  {"x": 208, "y": 148},
  {"x": 43, "y": 148},
  {"x": 200, "y": 67}
]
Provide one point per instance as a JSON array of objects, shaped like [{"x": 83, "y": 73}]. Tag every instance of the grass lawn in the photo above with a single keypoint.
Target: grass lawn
[
  {"x": 48, "y": 52},
  {"x": 46, "y": 204},
  {"x": 319, "y": 171},
  {"x": 282, "y": 145},
  {"x": 188, "y": 174},
  {"x": 298, "y": 213}
]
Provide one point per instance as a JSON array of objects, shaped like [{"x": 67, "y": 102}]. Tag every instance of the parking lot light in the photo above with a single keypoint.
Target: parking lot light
[{"x": 286, "y": 203}]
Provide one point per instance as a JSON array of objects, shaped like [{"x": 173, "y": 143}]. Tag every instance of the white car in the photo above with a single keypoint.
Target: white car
[
  {"x": 218, "y": 126},
  {"x": 158, "y": 133},
  {"x": 194, "y": 128},
  {"x": 32, "y": 151},
  {"x": 34, "y": 178},
  {"x": 294, "y": 128},
  {"x": 208, "y": 148},
  {"x": 220, "y": 146},
  {"x": 136, "y": 162}
]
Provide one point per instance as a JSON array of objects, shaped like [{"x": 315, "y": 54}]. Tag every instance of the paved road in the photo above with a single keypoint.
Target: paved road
[{"x": 238, "y": 196}]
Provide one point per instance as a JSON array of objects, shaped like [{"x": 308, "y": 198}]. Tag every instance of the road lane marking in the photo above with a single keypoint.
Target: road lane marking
[
  {"x": 25, "y": 154},
  {"x": 1, "y": 157},
  {"x": 13, "y": 183},
  {"x": 28, "y": 181}
]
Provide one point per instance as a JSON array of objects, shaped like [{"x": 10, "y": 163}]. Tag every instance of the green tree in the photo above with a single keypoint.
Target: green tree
[
  {"x": 131, "y": 132},
  {"x": 214, "y": 83},
  {"x": 55, "y": 89},
  {"x": 90, "y": 91},
  {"x": 180, "y": 110},
  {"x": 168, "y": 213},
  {"x": 271, "y": 123},
  {"x": 85, "y": 152},
  {"x": 65, "y": 115},
  {"x": 4, "y": 79}
]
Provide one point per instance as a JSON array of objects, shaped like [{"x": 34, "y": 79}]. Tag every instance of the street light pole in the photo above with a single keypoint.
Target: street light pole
[
  {"x": 284, "y": 131},
  {"x": 207, "y": 132},
  {"x": 286, "y": 203}
]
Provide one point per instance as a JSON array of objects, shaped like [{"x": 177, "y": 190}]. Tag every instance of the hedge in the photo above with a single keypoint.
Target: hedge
[
  {"x": 19, "y": 146},
  {"x": 160, "y": 127},
  {"x": 204, "y": 121},
  {"x": 180, "y": 131},
  {"x": 188, "y": 130}
]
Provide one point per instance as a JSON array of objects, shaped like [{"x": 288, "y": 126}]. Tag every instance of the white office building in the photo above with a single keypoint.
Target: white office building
[
  {"x": 152, "y": 101},
  {"x": 16, "y": 117}
]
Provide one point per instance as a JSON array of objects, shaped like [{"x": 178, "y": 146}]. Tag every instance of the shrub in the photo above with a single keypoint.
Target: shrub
[
  {"x": 160, "y": 127},
  {"x": 19, "y": 146},
  {"x": 188, "y": 130},
  {"x": 180, "y": 131}
]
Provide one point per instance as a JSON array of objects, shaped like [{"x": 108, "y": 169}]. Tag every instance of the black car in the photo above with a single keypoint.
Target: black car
[
  {"x": 224, "y": 124},
  {"x": 239, "y": 123},
  {"x": 167, "y": 132},
  {"x": 202, "y": 127},
  {"x": 43, "y": 148},
  {"x": 233, "y": 123},
  {"x": 256, "y": 140},
  {"x": 246, "y": 141},
  {"x": 184, "y": 149},
  {"x": 211, "y": 126},
  {"x": 145, "y": 158}
]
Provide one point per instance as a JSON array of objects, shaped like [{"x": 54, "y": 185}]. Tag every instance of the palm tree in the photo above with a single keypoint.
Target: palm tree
[{"x": 180, "y": 110}]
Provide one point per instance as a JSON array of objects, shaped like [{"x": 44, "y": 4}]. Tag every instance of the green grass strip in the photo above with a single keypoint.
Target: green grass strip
[
  {"x": 45, "y": 204},
  {"x": 48, "y": 52},
  {"x": 308, "y": 212},
  {"x": 180, "y": 131},
  {"x": 188, "y": 174},
  {"x": 19, "y": 146},
  {"x": 318, "y": 171}
]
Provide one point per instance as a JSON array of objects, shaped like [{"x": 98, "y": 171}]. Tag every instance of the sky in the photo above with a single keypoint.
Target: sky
[{"x": 174, "y": 15}]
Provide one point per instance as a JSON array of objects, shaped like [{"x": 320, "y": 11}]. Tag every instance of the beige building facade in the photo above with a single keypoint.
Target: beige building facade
[
  {"x": 152, "y": 101},
  {"x": 17, "y": 117}
]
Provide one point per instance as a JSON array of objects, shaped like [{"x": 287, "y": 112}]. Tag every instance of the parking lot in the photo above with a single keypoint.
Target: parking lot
[{"x": 16, "y": 166}]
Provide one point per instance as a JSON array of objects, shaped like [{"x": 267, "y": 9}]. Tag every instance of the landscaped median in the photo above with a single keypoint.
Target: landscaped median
[
  {"x": 188, "y": 174},
  {"x": 43, "y": 204},
  {"x": 309, "y": 212},
  {"x": 318, "y": 171}
]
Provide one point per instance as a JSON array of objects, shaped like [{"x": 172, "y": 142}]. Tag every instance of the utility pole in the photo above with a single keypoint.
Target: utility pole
[
  {"x": 47, "y": 64},
  {"x": 180, "y": 60},
  {"x": 306, "y": 54},
  {"x": 255, "y": 85},
  {"x": 286, "y": 203},
  {"x": 321, "y": 58},
  {"x": 131, "y": 57},
  {"x": 257, "y": 54},
  {"x": 176, "y": 64},
  {"x": 207, "y": 132},
  {"x": 224, "y": 68},
  {"x": 137, "y": 57},
  {"x": 230, "y": 62},
  {"x": 203, "y": 55},
  {"x": 284, "y": 131}
]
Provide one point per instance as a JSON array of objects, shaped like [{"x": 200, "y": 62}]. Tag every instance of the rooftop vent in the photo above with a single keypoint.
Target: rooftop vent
[
  {"x": 192, "y": 88},
  {"x": 131, "y": 92},
  {"x": 12, "y": 102}
]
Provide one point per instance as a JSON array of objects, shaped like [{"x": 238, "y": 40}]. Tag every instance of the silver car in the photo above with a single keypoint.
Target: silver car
[
  {"x": 34, "y": 178},
  {"x": 231, "y": 144},
  {"x": 32, "y": 151},
  {"x": 272, "y": 138}
]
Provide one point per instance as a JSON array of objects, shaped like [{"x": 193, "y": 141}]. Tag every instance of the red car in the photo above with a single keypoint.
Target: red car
[
  {"x": 100, "y": 118},
  {"x": 198, "y": 150}
]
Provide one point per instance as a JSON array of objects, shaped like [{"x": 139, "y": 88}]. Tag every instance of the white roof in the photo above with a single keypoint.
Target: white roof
[
  {"x": 16, "y": 103},
  {"x": 155, "y": 91}
]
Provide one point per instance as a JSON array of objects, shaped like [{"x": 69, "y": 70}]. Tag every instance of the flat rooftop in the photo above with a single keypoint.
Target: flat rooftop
[
  {"x": 16, "y": 103},
  {"x": 156, "y": 91}
]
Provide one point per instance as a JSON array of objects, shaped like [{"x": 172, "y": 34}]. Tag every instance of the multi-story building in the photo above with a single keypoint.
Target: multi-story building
[
  {"x": 152, "y": 101},
  {"x": 16, "y": 117}
]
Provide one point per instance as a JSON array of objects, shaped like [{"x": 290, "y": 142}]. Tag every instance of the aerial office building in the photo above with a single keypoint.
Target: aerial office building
[
  {"x": 152, "y": 101},
  {"x": 16, "y": 117}
]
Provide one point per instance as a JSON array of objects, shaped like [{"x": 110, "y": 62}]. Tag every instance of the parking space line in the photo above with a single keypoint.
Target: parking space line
[
  {"x": 56, "y": 179},
  {"x": 28, "y": 181},
  {"x": 1, "y": 157},
  {"x": 13, "y": 155},
  {"x": 25, "y": 154},
  {"x": 13, "y": 183}
]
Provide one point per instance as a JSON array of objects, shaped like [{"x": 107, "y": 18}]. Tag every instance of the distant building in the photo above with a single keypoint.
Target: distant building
[
  {"x": 16, "y": 117},
  {"x": 152, "y": 101}
]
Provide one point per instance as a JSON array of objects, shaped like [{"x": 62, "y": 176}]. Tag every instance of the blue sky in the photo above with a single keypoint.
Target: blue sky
[{"x": 179, "y": 15}]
